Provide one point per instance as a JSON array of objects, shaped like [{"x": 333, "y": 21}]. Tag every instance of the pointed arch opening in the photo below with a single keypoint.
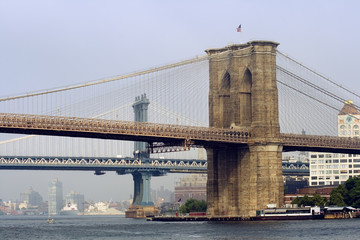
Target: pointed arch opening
[
  {"x": 226, "y": 82},
  {"x": 245, "y": 110}
]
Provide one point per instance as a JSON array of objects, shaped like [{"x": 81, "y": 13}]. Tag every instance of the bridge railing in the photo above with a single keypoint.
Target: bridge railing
[
  {"x": 127, "y": 130},
  {"x": 315, "y": 141}
]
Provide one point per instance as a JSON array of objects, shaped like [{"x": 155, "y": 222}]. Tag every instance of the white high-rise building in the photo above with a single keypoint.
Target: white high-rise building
[
  {"x": 335, "y": 169},
  {"x": 55, "y": 192}
]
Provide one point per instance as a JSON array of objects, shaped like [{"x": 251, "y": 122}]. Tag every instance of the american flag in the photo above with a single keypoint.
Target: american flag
[{"x": 239, "y": 28}]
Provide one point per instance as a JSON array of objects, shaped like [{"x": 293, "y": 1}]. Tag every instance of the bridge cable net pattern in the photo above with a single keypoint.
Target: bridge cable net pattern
[
  {"x": 308, "y": 101},
  {"x": 178, "y": 94}
]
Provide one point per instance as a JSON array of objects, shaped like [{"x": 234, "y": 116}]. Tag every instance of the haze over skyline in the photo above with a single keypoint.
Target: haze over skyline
[{"x": 47, "y": 44}]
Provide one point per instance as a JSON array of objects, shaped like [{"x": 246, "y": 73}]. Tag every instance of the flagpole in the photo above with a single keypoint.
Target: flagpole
[{"x": 238, "y": 29}]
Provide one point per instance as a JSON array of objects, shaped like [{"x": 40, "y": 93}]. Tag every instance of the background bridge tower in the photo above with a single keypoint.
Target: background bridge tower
[
  {"x": 141, "y": 115},
  {"x": 243, "y": 93},
  {"x": 142, "y": 205}
]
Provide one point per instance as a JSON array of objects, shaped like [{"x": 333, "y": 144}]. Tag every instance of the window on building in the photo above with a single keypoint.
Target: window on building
[
  {"x": 328, "y": 172},
  {"x": 336, "y": 161},
  {"x": 336, "y": 182},
  {"x": 321, "y": 183},
  {"x": 336, "y": 166},
  {"x": 336, "y": 177},
  {"x": 313, "y": 178},
  {"x": 356, "y": 160},
  {"x": 328, "y": 161},
  {"x": 343, "y": 166},
  {"x": 343, "y": 160},
  {"x": 321, "y": 155},
  {"x": 328, "y": 155},
  {"x": 343, "y": 171},
  {"x": 314, "y": 156},
  {"x": 356, "y": 165},
  {"x": 321, "y": 166}
]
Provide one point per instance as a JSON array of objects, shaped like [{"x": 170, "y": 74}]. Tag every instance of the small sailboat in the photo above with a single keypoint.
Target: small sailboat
[{"x": 50, "y": 220}]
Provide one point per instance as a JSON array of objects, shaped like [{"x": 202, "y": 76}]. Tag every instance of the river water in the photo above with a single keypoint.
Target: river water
[{"x": 118, "y": 227}]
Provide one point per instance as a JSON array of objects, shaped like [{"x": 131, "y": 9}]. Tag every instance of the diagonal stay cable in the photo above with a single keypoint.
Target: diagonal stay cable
[
  {"x": 320, "y": 89},
  {"x": 309, "y": 96},
  {"x": 318, "y": 74}
]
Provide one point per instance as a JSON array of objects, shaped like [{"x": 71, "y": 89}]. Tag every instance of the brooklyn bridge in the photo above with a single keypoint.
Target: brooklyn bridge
[{"x": 245, "y": 104}]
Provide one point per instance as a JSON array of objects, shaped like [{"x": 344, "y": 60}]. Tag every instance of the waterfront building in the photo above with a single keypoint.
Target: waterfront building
[
  {"x": 76, "y": 199},
  {"x": 55, "y": 192},
  {"x": 31, "y": 197},
  {"x": 323, "y": 191},
  {"x": 192, "y": 186},
  {"x": 332, "y": 168}
]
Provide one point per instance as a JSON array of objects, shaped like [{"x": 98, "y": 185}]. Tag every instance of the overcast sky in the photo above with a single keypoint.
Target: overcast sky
[{"x": 51, "y": 43}]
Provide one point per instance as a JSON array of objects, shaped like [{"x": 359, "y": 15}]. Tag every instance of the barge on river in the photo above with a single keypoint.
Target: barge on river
[{"x": 302, "y": 213}]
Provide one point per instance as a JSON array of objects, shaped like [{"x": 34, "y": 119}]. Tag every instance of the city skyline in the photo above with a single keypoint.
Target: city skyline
[{"x": 43, "y": 191}]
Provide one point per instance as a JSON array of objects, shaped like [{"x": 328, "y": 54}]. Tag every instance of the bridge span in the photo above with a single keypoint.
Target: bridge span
[
  {"x": 168, "y": 134},
  {"x": 101, "y": 164}
]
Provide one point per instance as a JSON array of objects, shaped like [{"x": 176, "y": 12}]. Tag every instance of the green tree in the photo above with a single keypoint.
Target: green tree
[
  {"x": 319, "y": 201},
  {"x": 347, "y": 194},
  {"x": 337, "y": 196},
  {"x": 193, "y": 205}
]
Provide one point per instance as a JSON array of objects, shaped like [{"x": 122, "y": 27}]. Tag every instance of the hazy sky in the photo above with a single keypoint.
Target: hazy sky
[{"x": 51, "y": 43}]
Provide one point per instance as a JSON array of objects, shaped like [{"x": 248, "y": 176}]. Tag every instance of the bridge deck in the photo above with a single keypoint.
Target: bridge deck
[
  {"x": 124, "y": 130},
  {"x": 171, "y": 134}
]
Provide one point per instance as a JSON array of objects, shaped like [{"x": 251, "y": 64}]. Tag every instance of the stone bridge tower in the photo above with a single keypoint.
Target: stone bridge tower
[{"x": 243, "y": 93}]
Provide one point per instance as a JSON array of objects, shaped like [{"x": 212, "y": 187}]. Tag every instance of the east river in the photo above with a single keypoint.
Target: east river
[{"x": 116, "y": 227}]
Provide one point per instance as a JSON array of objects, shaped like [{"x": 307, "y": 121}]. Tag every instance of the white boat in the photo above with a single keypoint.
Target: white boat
[
  {"x": 70, "y": 209},
  {"x": 289, "y": 213}
]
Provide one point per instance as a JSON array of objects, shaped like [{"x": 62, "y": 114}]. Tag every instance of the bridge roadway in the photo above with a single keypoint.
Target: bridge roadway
[
  {"x": 123, "y": 165},
  {"x": 171, "y": 135},
  {"x": 101, "y": 164}
]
